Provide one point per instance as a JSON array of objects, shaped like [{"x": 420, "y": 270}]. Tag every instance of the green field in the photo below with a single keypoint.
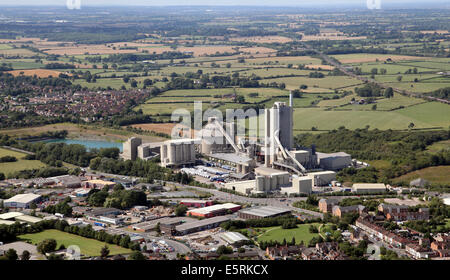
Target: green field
[
  {"x": 5, "y": 47},
  {"x": 426, "y": 115},
  {"x": 326, "y": 84},
  {"x": 171, "y": 100},
  {"x": 435, "y": 174},
  {"x": 387, "y": 104},
  {"x": 301, "y": 233},
  {"x": 89, "y": 247},
  {"x": 21, "y": 164},
  {"x": 439, "y": 146}
]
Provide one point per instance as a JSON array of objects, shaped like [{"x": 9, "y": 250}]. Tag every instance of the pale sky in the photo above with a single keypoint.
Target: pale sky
[{"x": 215, "y": 2}]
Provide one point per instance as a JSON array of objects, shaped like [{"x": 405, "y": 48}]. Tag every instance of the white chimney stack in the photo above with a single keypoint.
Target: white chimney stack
[{"x": 291, "y": 101}]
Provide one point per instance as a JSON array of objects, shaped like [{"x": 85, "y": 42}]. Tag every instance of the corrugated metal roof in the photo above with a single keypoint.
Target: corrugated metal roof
[
  {"x": 213, "y": 208},
  {"x": 233, "y": 237},
  {"x": 265, "y": 211},
  {"x": 10, "y": 215},
  {"x": 23, "y": 198}
]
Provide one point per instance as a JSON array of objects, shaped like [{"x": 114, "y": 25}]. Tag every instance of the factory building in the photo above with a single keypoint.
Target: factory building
[
  {"x": 278, "y": 126},
  {"x": 241, "y": 162},
  {"x": 369, "y": 188},
  {"x": 322, "y": 178},
  {"x": 200, "y": 225},
  {"x": 148, "y": 150},
  {"x": 134, "y": 148},
  {"x": 130, "y": 148},
  {"x": 178, "y": 152},
  {"x": 262, "y": 212},
  {"x": 244, "y": 187},
  {"x": 300, "y": 185},
  {"x": 21, "y": 201},
  {"x": 216, "y": 139},
  {"x": 302, "y": 156},
  {"x": 267, "y": 180},
  {"x": 334, "y": 161},
  {"x": 214, "y": 210}
]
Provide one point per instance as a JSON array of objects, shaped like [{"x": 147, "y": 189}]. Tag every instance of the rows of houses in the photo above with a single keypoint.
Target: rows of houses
[
  {"x": 420, "y": 248},
  {"x": 322, "y": 251}
]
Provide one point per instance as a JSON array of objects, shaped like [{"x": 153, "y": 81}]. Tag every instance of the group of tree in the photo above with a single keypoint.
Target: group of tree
[
  {"x": 9, "y": 233},
  {"x": 404, "y": 150},
  {"x": 61, "y": 208}
]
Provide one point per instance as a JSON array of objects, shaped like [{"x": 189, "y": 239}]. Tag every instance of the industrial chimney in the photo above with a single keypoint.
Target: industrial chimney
[{"x": 291, "y": 102}]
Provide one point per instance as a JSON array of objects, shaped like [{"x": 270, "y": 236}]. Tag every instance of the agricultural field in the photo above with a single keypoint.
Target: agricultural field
[
  {"x": 21, "y": 64},
  {"x": 167, "y": 102},
  {"x": 368, "y": 57},
  {"x": 326, "y": 84},
  {"x": 41, "y": 73},
  {"x": 387, "y": 104},
  {"x": 89, "y": 247},
  {"x": 165, "y": 128},
  {"x": 21, "y": 163},
  {"x": 439, "y": 146},
  {"x": 284, "y": 60},
  {"x": 434, "y": 174},
  {"x": 426, "y": 115}
]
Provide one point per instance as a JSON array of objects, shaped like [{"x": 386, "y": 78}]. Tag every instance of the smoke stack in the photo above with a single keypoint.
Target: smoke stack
[{"x": 291, "y": 102}]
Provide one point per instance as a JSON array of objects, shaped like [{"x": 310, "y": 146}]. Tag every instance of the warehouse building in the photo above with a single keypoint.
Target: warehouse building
[
  {"x": 21, "y": 200},
  {"x": 28, "y": 219},
  {"x": 369, "y": 188},
  {"x": 196, "y": 203},
  {"x": 214, "y": 210},
  {"x": 200, "y": 225},
  {"x": 98, "y": 184},
  {"x": 166, "y": 224},
  {"x": 322, "y": 178},
  {"x": 334, "y": 161},
  {"x": 234, "y": 238},
  {"x": 12, "y": 217},
  {"x": 262, "y": 212}
]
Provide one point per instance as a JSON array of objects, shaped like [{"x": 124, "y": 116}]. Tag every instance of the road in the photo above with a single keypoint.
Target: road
[
  {"x": 275, "y": 202},
  {"x": 379, "y": 243},
  {"x": 18, "y": 150},
  {"x": 223, "y": 196}
]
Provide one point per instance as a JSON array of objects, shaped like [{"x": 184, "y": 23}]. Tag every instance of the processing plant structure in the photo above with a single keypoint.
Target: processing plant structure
[{"x": 272, "y": 163}]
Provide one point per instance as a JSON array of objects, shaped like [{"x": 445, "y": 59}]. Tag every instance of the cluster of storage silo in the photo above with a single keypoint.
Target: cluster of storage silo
[
  {"x": 177, "y": 152},
  {"x": 270, "y": 183}
]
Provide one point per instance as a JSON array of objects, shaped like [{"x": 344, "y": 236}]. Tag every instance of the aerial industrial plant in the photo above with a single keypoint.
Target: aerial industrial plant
[{"x": 273, "y": 163}]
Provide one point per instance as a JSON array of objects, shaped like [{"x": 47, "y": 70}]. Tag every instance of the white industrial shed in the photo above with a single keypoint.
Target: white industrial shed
[
  {"x": 233, "y": 237},
  {"x": 21, "y": 200}
]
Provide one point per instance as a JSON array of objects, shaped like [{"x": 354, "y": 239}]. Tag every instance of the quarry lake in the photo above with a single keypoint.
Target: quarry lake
[{"x": 89, "y": 144}]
